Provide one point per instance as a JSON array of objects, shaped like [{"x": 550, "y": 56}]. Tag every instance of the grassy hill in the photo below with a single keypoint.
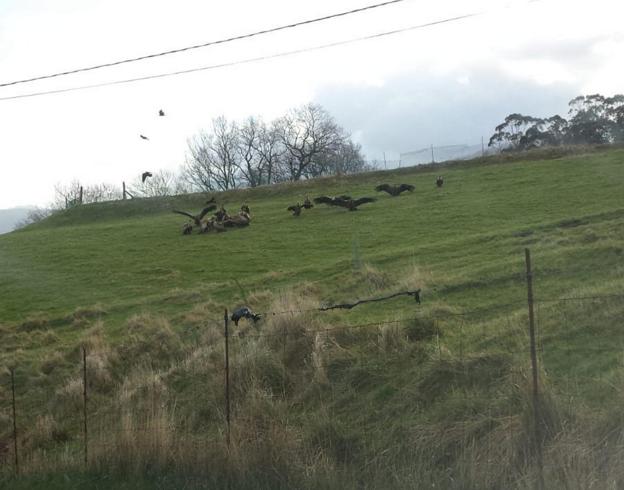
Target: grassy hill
[{"x": 426, "y": 396}]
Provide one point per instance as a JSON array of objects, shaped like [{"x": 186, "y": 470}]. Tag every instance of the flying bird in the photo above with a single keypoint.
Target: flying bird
[
  {"x": 197, "y": 219},
  {"x": 394, "y": 190},
  {"x": 439, "y": 181},
  {"x": 144, "y": 137},
  {"x": 161, "y": 112},
  {"x": 244, "y": 312},
  {"x": 145, "y": 175}
]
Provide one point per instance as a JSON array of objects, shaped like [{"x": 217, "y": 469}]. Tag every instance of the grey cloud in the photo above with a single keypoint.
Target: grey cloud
[{"x": 415, "y": 110}]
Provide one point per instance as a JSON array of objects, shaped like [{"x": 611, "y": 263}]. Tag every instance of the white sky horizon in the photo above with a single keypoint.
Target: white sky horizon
[{"x": 447, "y": 84}]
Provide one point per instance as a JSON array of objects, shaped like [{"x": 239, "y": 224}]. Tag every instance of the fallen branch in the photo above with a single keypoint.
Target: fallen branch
[{"x": 348, "y": 306}]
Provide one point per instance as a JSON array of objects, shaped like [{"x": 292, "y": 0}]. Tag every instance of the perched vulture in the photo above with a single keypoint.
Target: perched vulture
[
  {"x": 187, "y": 229},
  {"x": 161, "y": 113},
  {"x": 307, "y": 203},
  {"x": 197, "y": 219},
  {"x": 349, "y": 203},
  {"x": 244, "y": 312},
  {"x": 245, "y": 209},
  {"x": 296, "y": 209},
  {"x": 145, "y": 175},
  {"x": 394, "y": 190},
  {"x": 221, "y": 214},
  {"x": 238, "y": 220},
  {"x": 439, "y": 181},
  {"x": 144, "y": 137}
]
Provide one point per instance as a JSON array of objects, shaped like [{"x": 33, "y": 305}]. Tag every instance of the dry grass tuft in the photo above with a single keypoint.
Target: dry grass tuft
[
  {"x": 202, "y": 314},
  {"x": 86, "y": 313},
  {"x": 34, "y": 322},
  {"x": 52, "y": 362},
  {"x": 392, "y": 338},
  {"x": 372, "y": 278},
  {"x": 150, "y": 339},
  {"x": 319, "y": 359},
  {"x": 69, "y": 395},
  {"x": 416, "y": 277}
]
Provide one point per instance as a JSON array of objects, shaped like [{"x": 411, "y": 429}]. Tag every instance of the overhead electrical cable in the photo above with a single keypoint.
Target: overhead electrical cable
[
  {"x": 204, "y": 45},
  {"x": 246, "y": 61}
]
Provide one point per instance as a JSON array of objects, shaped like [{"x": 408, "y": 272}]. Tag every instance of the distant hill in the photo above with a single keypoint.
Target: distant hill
[{"x": 10, "y": 217}]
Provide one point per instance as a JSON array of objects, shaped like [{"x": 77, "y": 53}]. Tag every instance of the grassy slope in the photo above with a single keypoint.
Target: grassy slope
[
  {"x": 126, "y": 255},
  {"x": 466, "y": 241}
]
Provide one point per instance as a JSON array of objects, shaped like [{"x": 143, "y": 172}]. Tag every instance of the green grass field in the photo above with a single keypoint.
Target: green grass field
[{"x": 350, "y": 408}]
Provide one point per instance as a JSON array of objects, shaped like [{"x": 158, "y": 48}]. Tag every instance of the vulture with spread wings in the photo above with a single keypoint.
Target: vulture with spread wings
[
  {"x": 344, "y": 201},
  {"x": 197, "y": 219},
  {"x": 394, "y": 190}
]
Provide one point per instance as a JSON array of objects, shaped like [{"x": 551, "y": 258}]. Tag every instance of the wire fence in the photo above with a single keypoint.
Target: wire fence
[{"x": 475, "y": 362}]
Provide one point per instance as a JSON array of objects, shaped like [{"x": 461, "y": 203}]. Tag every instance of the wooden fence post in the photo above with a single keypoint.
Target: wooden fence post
[
  {"x": 535, "y": 394},
  {"x": 84, "y": 405}
]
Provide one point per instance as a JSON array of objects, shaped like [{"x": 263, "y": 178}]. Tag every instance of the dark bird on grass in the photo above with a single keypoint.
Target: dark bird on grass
[
  {"x": 221, "y": 214},
  {"x": 238, "y": 220},
  {"x": 198, "y": 218},
  {"x": 145, "y": 175},
  {"x": 161, "y": 113},
  {"x": 143, "y": 137},
  {"x": 296, "y": 209},
  {"x": 394, "y": 190},
  {"x": 244, "y": 312},
  {"x": 439, "y": 181},
  {"x": 349, "y": 203},
  {"x": 331, "y": 201},
  {"x": 245, "y": 209},
  {"x": 307, "y": 203},
  {"x": 187, "y": 229}
]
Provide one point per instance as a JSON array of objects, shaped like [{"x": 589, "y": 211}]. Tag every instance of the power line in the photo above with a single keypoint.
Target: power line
[
  {"x": 204, "y": 45},
  {"x": 247, "y": 60}
]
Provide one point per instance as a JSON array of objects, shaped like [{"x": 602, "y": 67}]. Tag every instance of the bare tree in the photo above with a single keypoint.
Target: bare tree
[
  {"x": 251, "y": 162},
  {"x": 307, "y": 133},
  {"x": 269, "y": 147},
  {"x": 34, "y": 215},
  {"x": 212, "y": 162},
  {"x": 74, "y": 193},
  {"x": 345, "y": 158}
]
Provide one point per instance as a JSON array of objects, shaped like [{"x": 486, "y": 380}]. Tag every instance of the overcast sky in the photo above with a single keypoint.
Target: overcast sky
[{"x": 447, "y": 84}]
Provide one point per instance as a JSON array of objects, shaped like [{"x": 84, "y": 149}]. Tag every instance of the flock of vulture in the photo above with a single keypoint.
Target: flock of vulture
[{"x": 220, "y": 221}]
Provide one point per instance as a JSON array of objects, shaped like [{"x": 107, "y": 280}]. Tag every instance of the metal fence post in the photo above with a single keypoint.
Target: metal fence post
[
  {"x": 536, "y": 414},
  {"x": 227, "y": 377},
  {"x": 14, "y": 422},
  {"x": 84, "y": 405}
]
